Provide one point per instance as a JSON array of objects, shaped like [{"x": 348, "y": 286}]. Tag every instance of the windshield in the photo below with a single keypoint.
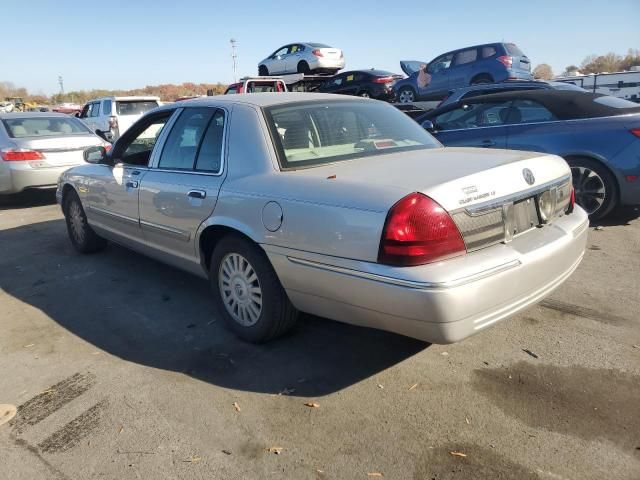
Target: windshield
[
  {"x": 316, "y": 133},
  {"x": 44, "y": 127},
  {"x": 512, "y": 49},
  {"x": 135, "y": 107}
]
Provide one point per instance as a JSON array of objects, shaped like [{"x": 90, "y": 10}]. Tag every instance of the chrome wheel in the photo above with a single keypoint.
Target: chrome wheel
[
  {"x": 365, "y": 95},
  {"x": 240, "y": 289},
  {"x": 406, "y": 96},
  {"x": 76, "y": 221},
  {"x": 590, "y": 189}
]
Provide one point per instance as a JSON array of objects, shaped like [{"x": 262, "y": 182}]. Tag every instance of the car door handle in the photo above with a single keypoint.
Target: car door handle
[
  {"x": 132, "y": 184},
  {"x": 197, "y": 194},
  {"x": 488, "y": 143}
]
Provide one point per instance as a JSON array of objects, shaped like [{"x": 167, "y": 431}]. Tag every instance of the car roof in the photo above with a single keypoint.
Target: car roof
[
  {"x": 5, "y": 116},
  {"x": 132, "y": 97},
  {"x": 564, "y": 104},
  {"x": 266, "y": 99}
]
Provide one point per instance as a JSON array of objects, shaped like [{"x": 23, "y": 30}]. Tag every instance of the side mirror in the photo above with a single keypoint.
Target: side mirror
[
  {"x": 77, "y": 114},
  {"x": 95, "y": 155},
  {"x": 428, "y": 126}
]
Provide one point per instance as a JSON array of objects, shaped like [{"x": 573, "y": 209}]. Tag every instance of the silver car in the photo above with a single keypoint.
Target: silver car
[
  {"x": 303, "y": 58},
  {"x": 35, "y": 148},
  {"x": 341, "y": 207}
]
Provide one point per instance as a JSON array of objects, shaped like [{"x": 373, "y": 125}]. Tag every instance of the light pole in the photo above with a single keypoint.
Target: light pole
[{"x": 234, "y": 57}]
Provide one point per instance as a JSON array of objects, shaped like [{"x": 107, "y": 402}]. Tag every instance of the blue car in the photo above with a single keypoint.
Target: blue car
[
  {"x": 598, "y": 135},
  {"x": 490, "y": 63}
]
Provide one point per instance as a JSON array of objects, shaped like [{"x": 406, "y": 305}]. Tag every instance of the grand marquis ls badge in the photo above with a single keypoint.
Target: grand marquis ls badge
[{"x": 528, "y": 176}]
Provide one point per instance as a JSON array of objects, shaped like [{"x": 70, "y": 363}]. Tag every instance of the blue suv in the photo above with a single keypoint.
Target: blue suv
[{"x": 490, "y": 63}]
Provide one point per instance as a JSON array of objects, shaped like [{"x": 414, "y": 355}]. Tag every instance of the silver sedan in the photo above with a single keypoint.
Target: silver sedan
[
  {"x": 35, "y": 148},
  {"x": 303, "y": 58},
  {"x": 343, "y": 208}
]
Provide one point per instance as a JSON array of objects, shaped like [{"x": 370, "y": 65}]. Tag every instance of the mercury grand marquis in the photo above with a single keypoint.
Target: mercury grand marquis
[{"x": 340, "y": 207}]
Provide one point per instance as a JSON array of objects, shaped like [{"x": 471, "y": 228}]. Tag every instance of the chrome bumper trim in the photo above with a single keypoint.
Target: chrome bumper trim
[{"x": 408, "y": 283}]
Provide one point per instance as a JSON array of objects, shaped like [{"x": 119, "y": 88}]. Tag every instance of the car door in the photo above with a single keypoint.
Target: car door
[
  {"x": 85, "y": 116},
  {"x": 334, "y": 84},
  {"x": 277, "y": 61},
  {"x": 438, "y": 78},
  {"x": 181, "y": 188},
  {"x": 114, "y": 188},
  {"x": 533, "y": 127},
  {"x": 350, "y": 85},
  {"x": 478, "y": 124},
  {"x": 461, "y": 70}
]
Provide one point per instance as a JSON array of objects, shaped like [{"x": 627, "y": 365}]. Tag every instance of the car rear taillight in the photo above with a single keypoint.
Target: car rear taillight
[
  {"x": 107, "y": 147},
  {"x": 113, "y": 122},
  {"x": 572, "y": 201},
  {"x": 506, "y": 60},
  {"x": 317, "y": 53},
  {"x": 635, "y": 131},
  {"x": 383, "y": 79},
  {"x": 20, "y": 154},
  {"x": 418, "y": 231}
]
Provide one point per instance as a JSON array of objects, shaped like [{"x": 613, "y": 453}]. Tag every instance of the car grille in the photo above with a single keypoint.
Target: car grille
[{"x": 501, "y": 220}]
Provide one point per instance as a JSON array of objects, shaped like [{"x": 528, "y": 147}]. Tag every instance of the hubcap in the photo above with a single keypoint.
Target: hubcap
[
  {"x": 76, "y": 221},
  {"x": 364, "y": 95},
  {"x": 589, "y": 187},
  {"x": 406, "y": 96},
  {"x": 240, "y": 289}
]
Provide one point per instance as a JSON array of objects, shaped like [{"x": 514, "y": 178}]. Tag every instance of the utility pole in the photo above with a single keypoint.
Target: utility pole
[{"x": 234, "y": 57}]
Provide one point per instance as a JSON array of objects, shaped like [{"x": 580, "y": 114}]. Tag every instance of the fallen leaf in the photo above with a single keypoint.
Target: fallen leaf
[
  {"x": 236, "y": 406},
  {"x": 120, "y": 429},
  {"x": 192, "y": 460},
  {"x": 636, "y": 346},
  {"x": 380, "y": 386},
  {"x": 312, "y": 404},
  {"x": 29, "y": 346},
  {"x": 96, "y": 353},
  {"x": 467, "y": 420},
  {"x": 529, "y": 352},
  {"x": 375, "y": 474},
  {"x": 458, "y": 454},
  {"x": 413, "y": 386},
  {"x": 7, "y": 412},
  {"x": 226, "y": 452},
  {"x": 48, "y": 392},
  {"x": 445, "y": 354},
  {"x": 275, "y": 450},
  {"x": 319, "y": 471}
]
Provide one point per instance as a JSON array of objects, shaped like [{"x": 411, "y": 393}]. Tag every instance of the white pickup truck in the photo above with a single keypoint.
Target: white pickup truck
[{"x": 110, "y": 117}]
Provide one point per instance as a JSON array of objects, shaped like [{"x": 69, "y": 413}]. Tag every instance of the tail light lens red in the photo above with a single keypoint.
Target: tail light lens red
[
  {"x": 506, "y": 60},
  {"x": 418, "y": 231},
  {"x": 635, "y": 131},
  {"x": 383, "y": 79},
  {"x": 572, "y": 201},
  {"x": 19, "y": 155},
  {"x": 113, "y": 122},
  {"x": 317, "y": 53}
]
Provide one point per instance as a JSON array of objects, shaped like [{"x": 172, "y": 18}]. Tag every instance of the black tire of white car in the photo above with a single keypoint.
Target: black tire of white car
[
  {"x": 83, "y": 238},
  {"x": 303, "y": 67},
  {"x": 274, "y": 316},
  {"x": 586, "y": 185},
  {"x": 263, "y": 71}
]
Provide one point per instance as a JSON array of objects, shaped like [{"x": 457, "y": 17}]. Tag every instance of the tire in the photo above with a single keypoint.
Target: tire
[
  {"x": 364, "y": 94},
  {"x": 406, "y": 95},
  {"x": 263, "y": 71},
  {"x": 247, "y": 291},
  {"x": 82, "y": 236},
  {"x": 303, "y": 67},
  {"x": 482, "y": 80},
  {"x": 595, "y": 187}
]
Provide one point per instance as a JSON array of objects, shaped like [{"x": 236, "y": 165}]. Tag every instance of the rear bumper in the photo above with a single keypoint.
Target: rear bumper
[
  {"x": 443, "y": 302},
  {"x": 15, "y": 180}
]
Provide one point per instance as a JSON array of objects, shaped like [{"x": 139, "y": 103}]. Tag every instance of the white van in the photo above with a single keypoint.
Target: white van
[{"x": 110, "y": 117}]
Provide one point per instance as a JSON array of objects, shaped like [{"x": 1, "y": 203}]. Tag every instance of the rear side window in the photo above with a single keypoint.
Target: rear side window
[
  {"x": 466, "y": 56},
  {"x": 106, "y": 107},
  {"x": 512, "y": 49},
  {"x": 528, "y": 111},
  {"x": 135, "y": 107},
  {"x": 488, "y": 52}
]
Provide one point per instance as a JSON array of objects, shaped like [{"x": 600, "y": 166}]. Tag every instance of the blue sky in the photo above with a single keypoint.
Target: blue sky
[{"x": 127, "y": 44}]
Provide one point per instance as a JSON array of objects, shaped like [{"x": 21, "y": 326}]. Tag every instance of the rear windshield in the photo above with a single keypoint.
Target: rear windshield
[
  {"x": 44, "y": 127},
  {"x": 512, "y": 49},
  {"x": 316, "y": 133},
  {"x": 615, "y": 102},
  {"x": 318, "y": 45},
  {"x": 135, "y": 107}
]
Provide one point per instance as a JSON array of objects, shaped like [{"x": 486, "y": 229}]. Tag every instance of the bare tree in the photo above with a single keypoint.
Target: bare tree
[{"x": 543, "y": 71}]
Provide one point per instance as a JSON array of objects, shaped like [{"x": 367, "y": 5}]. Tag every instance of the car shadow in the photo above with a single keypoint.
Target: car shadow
[
  {"x": 146, "y": 312},
  {"x": 28, "y": 198},
  {"x": 620, "y": 216}
]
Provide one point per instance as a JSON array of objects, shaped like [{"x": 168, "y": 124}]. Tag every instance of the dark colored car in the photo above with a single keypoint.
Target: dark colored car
[
  {"x": 598, "y": 135},
  {"x": 490, "y": 63},
  {"x": 376, "y": 84},
  {"x": 510, "y": 86}
]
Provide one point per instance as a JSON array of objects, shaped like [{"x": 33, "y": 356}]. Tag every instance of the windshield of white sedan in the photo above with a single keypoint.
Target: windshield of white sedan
[
  {"x": 314, "y": 133},
  {"x": 44, "y": 127}
]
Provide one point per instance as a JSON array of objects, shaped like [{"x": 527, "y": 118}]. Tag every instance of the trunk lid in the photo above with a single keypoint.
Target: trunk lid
[
  {"x": 520, "y": 60},
  {"x": 330, "y": 52},
  {"x": 60, "y": 151}
]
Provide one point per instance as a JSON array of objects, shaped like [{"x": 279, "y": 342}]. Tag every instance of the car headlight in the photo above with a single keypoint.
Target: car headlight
[{"x": 547, "y": 205}]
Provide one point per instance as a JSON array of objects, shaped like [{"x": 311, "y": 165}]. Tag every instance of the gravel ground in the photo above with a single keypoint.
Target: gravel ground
[{"x": 120, "y": 369}]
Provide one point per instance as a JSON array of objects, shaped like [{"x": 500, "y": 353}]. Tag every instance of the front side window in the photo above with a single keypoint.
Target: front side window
[
  {"x": 281, "y": 52},
  {"x": 95, "y": 109},
  {"x": 184, "y": 140},
  {"x": 209, "y": 157},
  {"x": 316, "y": 133},
  {"x": 136, "y": 145},
  {"x": 466, "y": 56},
  {"x": 473, "y": 116},
  {"x": 440, "y": 64}
]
